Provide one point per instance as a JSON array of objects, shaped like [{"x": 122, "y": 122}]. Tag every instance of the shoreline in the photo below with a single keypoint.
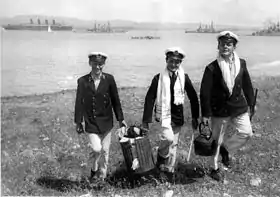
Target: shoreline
[
  {"x": 256, "y": 80},
  {"x": 64, "y": 91}
]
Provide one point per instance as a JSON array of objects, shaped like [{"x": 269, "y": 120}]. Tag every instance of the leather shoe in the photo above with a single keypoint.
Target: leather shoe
[
  {"x": 225, "y": 157},
  {"x": 216, "y": 175},
  {"x": 161, "y": 161}
]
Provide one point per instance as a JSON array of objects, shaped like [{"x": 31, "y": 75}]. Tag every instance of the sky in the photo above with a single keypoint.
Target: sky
[{"x": 234, "y": 12}]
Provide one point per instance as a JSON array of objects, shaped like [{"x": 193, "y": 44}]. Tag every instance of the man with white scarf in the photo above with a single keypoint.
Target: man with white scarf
[
  {"x": 226, "y": 93},
  {"x": 166, "y": 96}
]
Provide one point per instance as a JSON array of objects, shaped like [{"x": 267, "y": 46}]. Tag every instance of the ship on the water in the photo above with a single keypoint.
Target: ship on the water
[
  {"x": 204, "y": 29},
  {"x": 272, "y": 30},
  {"x": 105, "y": 28},
  {"x": 39, "y": 26}
]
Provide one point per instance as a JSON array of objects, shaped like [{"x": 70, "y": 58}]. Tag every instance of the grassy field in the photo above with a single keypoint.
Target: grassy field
[{"x": 42, "y": 155}]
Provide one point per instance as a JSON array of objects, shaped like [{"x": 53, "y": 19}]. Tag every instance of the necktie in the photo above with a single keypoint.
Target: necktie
[{"x": 173, "y": 79}]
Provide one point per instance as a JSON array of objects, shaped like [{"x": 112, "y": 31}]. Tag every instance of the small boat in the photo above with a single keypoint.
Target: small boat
[
  {"x": 49, "y": 29},
  {"x": 145, "y": 37}
]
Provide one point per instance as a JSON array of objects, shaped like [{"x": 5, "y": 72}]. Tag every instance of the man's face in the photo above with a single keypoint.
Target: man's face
[
  {"x": 96, "y": 66},
  {"x": 173, "y": 63},
  {"x": 226, "y": 48}
]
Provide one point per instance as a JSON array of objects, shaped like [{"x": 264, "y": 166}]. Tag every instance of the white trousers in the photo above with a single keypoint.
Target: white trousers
[
  {"x": 168, "y": 146},
  {"x": 99, "y": 155},
  {"x": 243, "y": 128}
]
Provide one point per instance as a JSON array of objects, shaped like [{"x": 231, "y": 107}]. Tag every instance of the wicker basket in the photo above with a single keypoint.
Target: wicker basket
[{"x": 138, "y": 148}]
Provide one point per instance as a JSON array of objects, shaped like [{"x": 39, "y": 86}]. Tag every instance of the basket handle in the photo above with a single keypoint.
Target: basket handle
[{"x": 201, "y": 127}]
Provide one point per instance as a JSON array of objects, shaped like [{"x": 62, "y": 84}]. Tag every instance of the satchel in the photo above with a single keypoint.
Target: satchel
[{"x": 204, "y": 145}]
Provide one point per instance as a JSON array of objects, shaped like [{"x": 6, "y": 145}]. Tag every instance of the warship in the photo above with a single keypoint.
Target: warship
[
  {"x": 272, "y": 30},
  {"x": 203, "y": 29},
  {"x": 105, "y": 28},
  {"x": 39, "y": 26}
]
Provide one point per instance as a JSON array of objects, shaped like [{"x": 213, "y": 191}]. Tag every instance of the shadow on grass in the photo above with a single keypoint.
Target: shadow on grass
[
  {"x": 184, "y": 174},
  {"x": 61, "y": 185},
  {"x": 123, "y": 179},
  {"x": 66, "y": 185},
  {"x": 190, "y": 170}
]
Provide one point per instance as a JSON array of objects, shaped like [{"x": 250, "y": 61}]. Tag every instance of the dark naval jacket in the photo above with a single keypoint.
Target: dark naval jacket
[
  {"x": 177, "y": 113},
  {"x": 96, "y": 106},
  {"x": 215, "y": 97}
]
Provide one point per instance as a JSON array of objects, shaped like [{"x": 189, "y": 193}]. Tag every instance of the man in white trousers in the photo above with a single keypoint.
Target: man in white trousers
[
  {"x": 96, "y": 99},
  {"x": 227, "y": 98},
  {"x": 166, "y": 97}
]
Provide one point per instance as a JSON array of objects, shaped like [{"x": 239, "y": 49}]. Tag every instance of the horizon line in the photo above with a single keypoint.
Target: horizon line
[{"x": 135, "y": 21}]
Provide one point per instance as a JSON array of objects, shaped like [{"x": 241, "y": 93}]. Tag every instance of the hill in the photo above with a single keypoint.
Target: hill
[{"x": 126, "y": 24}]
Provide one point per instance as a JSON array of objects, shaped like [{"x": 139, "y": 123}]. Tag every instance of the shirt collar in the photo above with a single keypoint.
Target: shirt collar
[
  {"x": 230, "y": 60},
  {"x": 91, "y": 78},
  {"x": 171, "y": 73}
]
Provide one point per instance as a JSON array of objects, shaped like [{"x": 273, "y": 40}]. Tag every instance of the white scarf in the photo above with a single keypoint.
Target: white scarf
[
  {"x": 163, "y": 100},
  {"x": 229, "y": 70}
]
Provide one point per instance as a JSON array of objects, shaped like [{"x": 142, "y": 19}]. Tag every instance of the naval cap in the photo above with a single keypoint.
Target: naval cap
[
  {"x": 175, "y": 51},
  {"x": 228, "y": 35},
  {"x": 97, "y": 56}
]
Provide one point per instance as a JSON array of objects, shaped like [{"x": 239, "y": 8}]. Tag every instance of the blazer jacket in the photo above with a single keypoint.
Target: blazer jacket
[
  {"x": 96, "y": 106},
  {"x": 215, "y": 97},
  {"x": 177, "y": 113}
]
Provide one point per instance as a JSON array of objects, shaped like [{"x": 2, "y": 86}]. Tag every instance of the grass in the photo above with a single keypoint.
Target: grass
[{"x": 41, "y": 154}]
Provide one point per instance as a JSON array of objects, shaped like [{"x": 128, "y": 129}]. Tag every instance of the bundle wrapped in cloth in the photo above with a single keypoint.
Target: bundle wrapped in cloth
[{"x": 136, "y": 149}]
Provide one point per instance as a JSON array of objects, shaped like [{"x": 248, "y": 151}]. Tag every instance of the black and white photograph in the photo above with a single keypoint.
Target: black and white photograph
[{"x": 142, "y": 98}]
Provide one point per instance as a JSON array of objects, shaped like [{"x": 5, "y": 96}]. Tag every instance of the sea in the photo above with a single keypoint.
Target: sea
[{"x": 34, "y": 62}]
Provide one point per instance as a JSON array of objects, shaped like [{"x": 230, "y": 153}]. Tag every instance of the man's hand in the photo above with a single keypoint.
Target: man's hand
[
  {"x": 122, "y": 130},
  {"x": 145, "y": 128},
  {"x": 145, "y": 125},
  {"x": 194, "y": 123},
  {"x": 122, "y": 124},
  {"x": 79, "y": 128}
]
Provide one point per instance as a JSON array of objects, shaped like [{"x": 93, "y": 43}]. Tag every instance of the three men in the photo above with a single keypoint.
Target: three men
[
  {"x": 166, "y": 97},
  {"x": 226, "y": 93},
  {"x": 96, "y": 98}
]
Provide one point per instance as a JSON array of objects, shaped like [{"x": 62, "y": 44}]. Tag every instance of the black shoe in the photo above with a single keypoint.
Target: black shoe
[
  {"x": 166, "y": 177},
  {"x": 161, "y": 161},
  {"x": 216, "y": 175},
  {"x": 93, "y": 175},
  {"x": 225, "y": 157}
]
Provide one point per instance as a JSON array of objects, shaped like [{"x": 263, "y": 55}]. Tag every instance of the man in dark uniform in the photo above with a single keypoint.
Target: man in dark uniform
[
  {"x": 167, "y": 93},
  {"x": 97, "y": 97},
  {"x": 226, "y": 93}
]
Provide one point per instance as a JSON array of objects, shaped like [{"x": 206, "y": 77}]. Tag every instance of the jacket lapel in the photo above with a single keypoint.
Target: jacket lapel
[
  {"x": 219, "y": 72},
  {"x": 91, "y": 83},
  {"x": 238, "y": 76}
]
